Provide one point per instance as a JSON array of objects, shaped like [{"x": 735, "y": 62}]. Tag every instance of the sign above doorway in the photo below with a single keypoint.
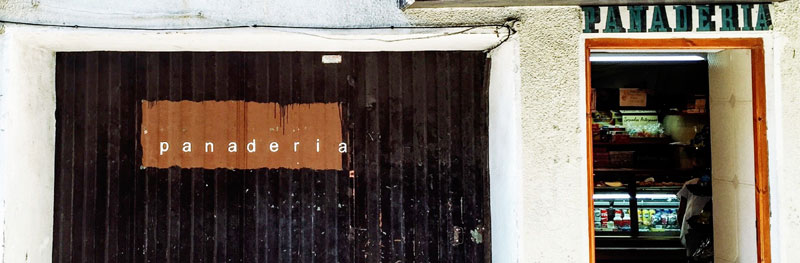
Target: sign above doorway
[
  {"x": 490, "y": 3},
  {"x": 677, "y": 18}
]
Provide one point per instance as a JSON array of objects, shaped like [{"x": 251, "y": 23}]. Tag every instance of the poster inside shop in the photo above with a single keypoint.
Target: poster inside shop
[{"x": 632, "y": 98}]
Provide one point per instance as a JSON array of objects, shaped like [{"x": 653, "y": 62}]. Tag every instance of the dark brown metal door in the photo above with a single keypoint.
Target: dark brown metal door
[{"x": 415, "y": 187}]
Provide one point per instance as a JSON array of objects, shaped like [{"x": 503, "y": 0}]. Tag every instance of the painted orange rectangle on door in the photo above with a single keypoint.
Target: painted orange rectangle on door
[{"x": 241, "y": 135}]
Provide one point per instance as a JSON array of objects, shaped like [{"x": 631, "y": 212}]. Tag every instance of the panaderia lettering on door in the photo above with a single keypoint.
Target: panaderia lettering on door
[
  {"x": 676, "y": 18},
  {"x": 241, "y": 135}
]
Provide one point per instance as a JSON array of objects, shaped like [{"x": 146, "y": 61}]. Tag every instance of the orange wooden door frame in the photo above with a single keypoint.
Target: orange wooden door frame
[{"x": 756, "y": 46}]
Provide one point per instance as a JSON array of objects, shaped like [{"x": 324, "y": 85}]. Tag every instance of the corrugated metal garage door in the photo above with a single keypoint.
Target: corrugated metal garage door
[{"x": 417, "y": 123}]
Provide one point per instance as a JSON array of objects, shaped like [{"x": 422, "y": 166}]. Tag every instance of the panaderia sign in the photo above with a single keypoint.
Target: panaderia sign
[
  {"x": 241, "y": 135},
  {"x": 676, "y": 18}
]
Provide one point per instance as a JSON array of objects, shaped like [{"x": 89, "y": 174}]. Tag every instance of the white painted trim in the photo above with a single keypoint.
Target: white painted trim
[
  {"x": 505, "y": 151},
  {"x": 27, "y": 149},
  {"x": 259, "y": 39}
]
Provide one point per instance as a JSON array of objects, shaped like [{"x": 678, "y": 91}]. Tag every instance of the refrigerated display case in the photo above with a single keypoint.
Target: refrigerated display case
[
  {"x": 654, "y": 229},
  {"x": 658, "y": 208},
  {"x": 651, "y": 211},
  {"x": 649, "y": 196},
  {"x": 645, "y": 189}
]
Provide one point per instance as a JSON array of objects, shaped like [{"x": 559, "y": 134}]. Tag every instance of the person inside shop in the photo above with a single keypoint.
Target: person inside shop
[{"x": 695, "y": 213}]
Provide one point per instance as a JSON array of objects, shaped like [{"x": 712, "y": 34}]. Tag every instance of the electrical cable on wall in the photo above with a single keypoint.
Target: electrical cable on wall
[
  {"x": 241, "y": 26},
  {"x": 508, "y": 25}
]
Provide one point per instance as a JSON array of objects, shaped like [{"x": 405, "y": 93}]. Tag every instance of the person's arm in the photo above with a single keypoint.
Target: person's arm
[
  {"x": 683, "y": 196},
  {"x": 681, "y": 211}
]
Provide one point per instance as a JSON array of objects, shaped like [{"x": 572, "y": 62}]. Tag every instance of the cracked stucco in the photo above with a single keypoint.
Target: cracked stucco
[
  {"x": 785, "y": 179},
  {"x": 202, "y": 13}
]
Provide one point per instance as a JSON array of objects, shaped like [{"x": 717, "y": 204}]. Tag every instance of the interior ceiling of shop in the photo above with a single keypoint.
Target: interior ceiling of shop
[
  {"x": 671, "y": 83},
  {"x": 655, "y": 51},
  {"x": 470, "y": 3}
]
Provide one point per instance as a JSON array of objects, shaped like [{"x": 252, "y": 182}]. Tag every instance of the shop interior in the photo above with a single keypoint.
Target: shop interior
[{"x": 653, "y": 119}]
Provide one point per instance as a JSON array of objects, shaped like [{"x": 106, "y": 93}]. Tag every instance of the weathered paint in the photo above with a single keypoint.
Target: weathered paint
[{"x": 241, "y": 135}]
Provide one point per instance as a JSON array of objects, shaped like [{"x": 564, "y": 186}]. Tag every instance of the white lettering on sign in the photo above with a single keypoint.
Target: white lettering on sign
[{"x": 246, "y": 135}]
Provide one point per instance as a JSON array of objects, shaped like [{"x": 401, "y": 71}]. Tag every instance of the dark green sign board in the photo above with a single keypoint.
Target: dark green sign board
[{"x": 676, "y": 18}]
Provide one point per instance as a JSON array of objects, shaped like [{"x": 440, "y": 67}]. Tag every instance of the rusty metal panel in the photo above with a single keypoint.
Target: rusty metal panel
[{"x": 412, "y": 187}]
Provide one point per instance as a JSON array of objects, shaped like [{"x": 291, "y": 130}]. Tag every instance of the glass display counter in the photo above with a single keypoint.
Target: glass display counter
[{"x": 652, "y": 211}]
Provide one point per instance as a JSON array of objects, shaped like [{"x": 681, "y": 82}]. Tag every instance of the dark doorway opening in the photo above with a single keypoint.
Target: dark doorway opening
[{"x": 651, "y": 146}]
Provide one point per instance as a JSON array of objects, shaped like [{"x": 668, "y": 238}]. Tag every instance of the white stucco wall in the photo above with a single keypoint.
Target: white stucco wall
[
  {"x": 784, "y": 175},
  {"x": 202, "y": 13},
  {"x": 552, "y": 200}
]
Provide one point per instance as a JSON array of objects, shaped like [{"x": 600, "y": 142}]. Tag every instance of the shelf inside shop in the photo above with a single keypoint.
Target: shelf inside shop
[
  {"x": 640, "y": 196},
  {"x": 610, "y": 188},
  {"x": 613, "y": 232},
  {"x": 643, "y": 232},
  {"x": 681, "y": 113},
  {"x": 602, "y": 203},
  {"x": 660, "y": 232},
  {"x": 607, "y": 234},
  {"x": 659, "y": 188},
  {"x": 640, "y": 142},
  {"x": 629, "y": 238},
  {"x": 674, "y": 188},
  {"x": 656, "y": 204},
  {"x": 644, "y": 170}
]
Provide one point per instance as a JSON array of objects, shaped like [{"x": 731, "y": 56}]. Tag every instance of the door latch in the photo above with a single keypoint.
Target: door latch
[{"x": 457, "y": 232}]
